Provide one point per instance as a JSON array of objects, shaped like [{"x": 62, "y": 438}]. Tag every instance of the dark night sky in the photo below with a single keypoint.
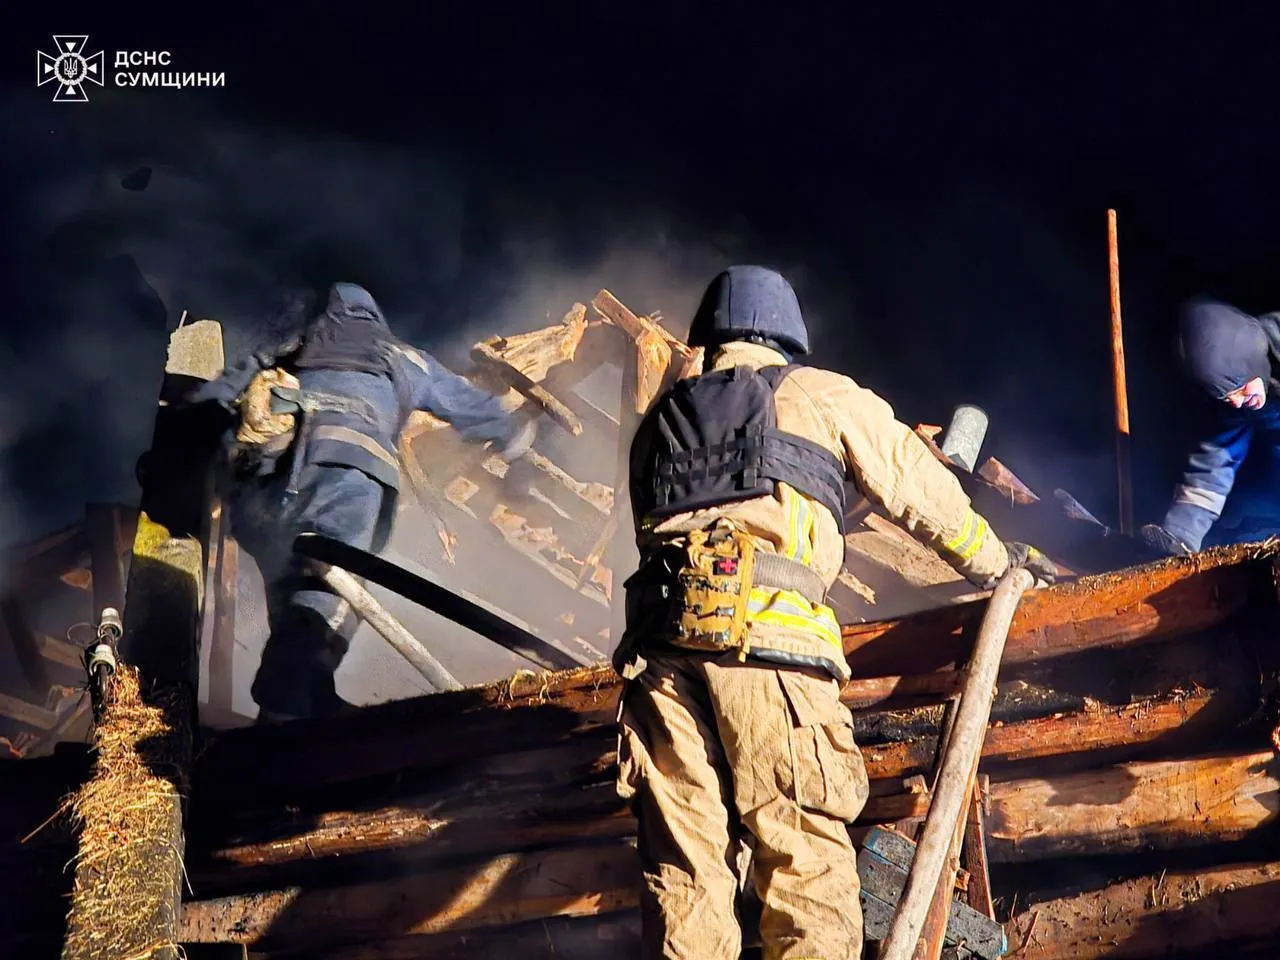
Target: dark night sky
[{"x": 935, "y": 184}]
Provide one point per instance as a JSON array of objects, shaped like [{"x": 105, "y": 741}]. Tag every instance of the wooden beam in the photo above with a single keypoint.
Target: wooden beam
[
  {"x": 62, "y": 652},
  {"x": 533, "y": 710},
  {"x": 549, "y": 778},
  {"x": 485, "y": 354},
  {"x": 1192, "y": 911},
  {"x": 614, "y": 311},
  {"x": 1138, "y": 605},
  {"x": 974, "y": 860},
  {"x": 102, "y": 528},
  {"x": 27, "y": 713},
  {"x": 128, "y": 880},
  {"x": 1134, "y": 806},
  {"x": 222, "y": 638},
  {"x": 574, "y": 881},
  {"x": 561, "y": 938},
  {"x": 26, "y": 647}
]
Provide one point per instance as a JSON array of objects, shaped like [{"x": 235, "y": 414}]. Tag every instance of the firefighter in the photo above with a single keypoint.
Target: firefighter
[
  {"x": 1230, "y": 356},
  {"x": 731, "y": 726},
  {"x": 316, "y": 451}
]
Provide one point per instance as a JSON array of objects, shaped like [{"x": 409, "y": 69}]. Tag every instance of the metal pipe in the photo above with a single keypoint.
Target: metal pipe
[
  {"x": 955, "y": 781},
  {"x": 963, "y": 440},
  {"x": 392, "y": 630},
  {"x": 1120, "y": 387}
]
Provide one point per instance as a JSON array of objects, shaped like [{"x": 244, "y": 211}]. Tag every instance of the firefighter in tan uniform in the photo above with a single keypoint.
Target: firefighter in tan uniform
[{"x": 731, "y": 726}]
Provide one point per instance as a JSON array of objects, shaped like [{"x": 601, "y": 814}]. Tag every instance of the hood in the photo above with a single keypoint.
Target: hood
[
  {"x": 351, "y": 334},
  {"x": 1222, "y": 348},
  {"x": 746, "y": 301},
  {"x": 351, "y": 300}
]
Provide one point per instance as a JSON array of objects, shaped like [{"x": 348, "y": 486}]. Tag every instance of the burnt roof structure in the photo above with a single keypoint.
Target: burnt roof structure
[{"x": 1128, "y": 789}]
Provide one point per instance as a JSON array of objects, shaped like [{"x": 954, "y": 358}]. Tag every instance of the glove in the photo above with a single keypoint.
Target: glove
[
  {"x": 218, "y": 391},
  {"x": 1158, "y": 538},
  {"x": 1032, "y": 560}
]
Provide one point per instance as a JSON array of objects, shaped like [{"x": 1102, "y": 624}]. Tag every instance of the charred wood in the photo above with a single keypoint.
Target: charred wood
[{"x": 1202, "y": 912}]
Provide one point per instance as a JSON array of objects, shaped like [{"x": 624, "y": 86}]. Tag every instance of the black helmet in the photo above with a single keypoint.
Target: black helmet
[{"x": 750, "y": 303}]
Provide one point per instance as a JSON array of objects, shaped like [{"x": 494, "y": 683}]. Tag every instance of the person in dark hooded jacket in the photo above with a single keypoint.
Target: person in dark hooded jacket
[
  {"x": 339, "y": 476},
  {"x": 1232, "y": 357}
]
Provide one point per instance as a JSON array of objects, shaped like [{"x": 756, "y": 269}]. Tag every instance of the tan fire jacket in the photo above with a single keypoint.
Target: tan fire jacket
[{"x": 891, "y": 466}]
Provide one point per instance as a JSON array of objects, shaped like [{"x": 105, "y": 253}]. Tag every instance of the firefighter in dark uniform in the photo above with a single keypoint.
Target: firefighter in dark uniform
[{"x": 344, "y": 389}]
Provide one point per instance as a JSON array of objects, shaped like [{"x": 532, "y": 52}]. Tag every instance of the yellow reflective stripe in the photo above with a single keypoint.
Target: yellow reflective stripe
[
  {"x": 799, "y": 537},
  {"x": 971, "y": 538},
  {"x": 806, "y": 531},
  {"x": 787, "y": 608},
  {"x": 793, "y": 522}
]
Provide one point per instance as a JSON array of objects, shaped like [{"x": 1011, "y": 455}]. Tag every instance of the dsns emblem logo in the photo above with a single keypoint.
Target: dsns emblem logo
[{"x": 70, "y": 69}]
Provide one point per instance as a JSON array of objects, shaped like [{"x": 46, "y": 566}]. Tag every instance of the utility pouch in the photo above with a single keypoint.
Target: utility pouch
[
  {"x": 713, "y": 587},
  {"x": 262, "y": 415},
  {"x": 268, "y": 423}
]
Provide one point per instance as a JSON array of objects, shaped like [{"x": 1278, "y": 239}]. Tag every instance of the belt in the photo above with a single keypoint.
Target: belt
[
  {"x": 782, "y": 573},
  {"x": 313, "y": 401}
]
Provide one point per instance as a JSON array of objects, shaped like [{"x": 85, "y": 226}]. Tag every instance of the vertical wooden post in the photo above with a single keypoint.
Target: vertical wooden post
[
  {"x": 127, "y": 894},
  {"x": 103, "y": 532},
  {"x": 224, "y": 558},
  {"x": 1123, "y": 443}
]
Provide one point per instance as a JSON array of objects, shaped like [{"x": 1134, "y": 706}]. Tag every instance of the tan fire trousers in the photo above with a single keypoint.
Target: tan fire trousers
[{"x": 713, "y": 751}]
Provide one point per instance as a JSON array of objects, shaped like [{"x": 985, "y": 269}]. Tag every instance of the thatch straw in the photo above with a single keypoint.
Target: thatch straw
[{"x": 130, "y": 838}]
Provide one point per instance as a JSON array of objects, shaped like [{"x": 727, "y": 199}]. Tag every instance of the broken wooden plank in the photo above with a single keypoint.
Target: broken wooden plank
[
  {"x": 533, "y": 354},
  {"x": 554, "y": 408},
  {"x": 1205, "y": 912},
  {"x": 613, "y": 310},
  {"x": 652, "y": 369},
  {"x": 1154, "y": 805}
]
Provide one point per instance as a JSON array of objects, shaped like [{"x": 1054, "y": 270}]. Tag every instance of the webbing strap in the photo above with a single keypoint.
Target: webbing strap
[{"x": 782, "y": 573}]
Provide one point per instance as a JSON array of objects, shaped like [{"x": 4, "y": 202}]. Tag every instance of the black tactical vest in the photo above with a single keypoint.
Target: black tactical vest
[{"x": 713, "y": 440}]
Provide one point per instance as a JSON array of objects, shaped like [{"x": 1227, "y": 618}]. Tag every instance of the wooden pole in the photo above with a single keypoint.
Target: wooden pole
[
  {"x": 1123, "y": 444},
  {"x": 955, "y": 780},
  {"x": 127, "y": 894},
  {"x": 392, "y": 630}
]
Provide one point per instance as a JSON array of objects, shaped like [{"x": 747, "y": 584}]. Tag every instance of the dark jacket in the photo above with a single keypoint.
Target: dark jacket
[
  {"x": 1222, "y": 350},
  {"x": 366, "y": 435}
]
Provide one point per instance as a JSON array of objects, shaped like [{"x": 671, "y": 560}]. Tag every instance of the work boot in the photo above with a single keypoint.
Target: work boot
[{"x": 1159, "y": 538}]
